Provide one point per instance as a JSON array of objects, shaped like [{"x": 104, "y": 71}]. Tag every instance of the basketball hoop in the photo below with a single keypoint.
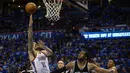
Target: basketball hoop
[{"x": 53, "y": 8}]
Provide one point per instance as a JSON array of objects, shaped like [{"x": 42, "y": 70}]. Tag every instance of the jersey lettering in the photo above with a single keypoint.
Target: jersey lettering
[{"x": 43, "y": 64}]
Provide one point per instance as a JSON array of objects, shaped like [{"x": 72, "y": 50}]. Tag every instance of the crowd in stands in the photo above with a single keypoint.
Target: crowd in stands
[
  {"x": 14, "y": 56},
  {"x": 109, "y": 16}
]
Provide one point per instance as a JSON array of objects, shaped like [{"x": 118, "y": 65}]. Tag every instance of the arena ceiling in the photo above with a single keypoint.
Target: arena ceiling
[
  {"x": 68, "y": 5},
  {"x": 14, "y": 3},
  {"x": 72, "y": 6},
  {"x": 8, "y": 6}
]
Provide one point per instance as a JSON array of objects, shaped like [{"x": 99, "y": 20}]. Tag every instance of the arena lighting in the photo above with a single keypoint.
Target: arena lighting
[
  {"x": 13, "y": 0},
  {"x": 19, "y": 6},
  {"x": 99, "y": 35},
  {"x": 8, "y": 4},
  {"x": 39, "y": 6}
]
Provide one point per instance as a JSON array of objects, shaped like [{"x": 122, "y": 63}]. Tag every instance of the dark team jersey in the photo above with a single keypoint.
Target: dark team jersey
[{"x": 78, "y": 70}]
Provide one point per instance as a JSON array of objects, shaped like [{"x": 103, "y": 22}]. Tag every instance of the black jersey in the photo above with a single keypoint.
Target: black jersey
[{"x": 78, "y": 70}]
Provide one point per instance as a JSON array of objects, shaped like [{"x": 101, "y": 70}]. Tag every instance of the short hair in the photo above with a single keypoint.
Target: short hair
[{"x": 60, "y": 61}]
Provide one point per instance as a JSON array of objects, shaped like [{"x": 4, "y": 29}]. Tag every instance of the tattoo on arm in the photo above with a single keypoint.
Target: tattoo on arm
[{"x": 30, "y": 39}]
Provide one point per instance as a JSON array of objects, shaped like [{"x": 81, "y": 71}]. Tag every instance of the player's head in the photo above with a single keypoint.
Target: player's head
[
  {"x": 60, "y": 64},
  {"x": 82, "y": 55},
  {"x": 36, "y": 47},
  {"x": 110, "y": 63}
]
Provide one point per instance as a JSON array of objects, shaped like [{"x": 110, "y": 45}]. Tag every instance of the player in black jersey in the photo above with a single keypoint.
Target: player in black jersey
[
  {"x": 82, "y": 65},
  {"x": 77, "y": 66}
]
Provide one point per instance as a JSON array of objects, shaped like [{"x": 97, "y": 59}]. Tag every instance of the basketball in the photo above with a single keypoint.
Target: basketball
[{"x": 31, "y": 8}]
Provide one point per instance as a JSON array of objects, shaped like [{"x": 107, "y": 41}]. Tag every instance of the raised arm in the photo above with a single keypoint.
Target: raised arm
[
  {"x": 47, "y": 51},
  {"x": 30, "y": 39}
]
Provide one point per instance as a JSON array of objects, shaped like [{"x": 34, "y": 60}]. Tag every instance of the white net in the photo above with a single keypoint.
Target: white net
[{"x": 53, "y": 9}]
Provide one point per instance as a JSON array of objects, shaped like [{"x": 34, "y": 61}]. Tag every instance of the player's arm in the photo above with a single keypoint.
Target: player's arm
[
  {"x": 98, "y": 69},
  {"x": 70, "y": 65},
  {"x": 30, "y": 39},
  {"x": 104, "y": 70},
  {"x": 47, "y": 51}
]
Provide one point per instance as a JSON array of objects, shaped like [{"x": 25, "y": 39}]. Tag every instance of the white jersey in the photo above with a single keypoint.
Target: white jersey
[{"x": 40, "y": 64}]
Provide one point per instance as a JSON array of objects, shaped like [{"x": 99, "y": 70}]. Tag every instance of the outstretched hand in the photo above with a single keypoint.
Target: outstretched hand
[{"x": 30, "y": 20}]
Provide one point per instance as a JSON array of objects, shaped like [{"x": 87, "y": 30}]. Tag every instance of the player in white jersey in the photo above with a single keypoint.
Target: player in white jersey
[{"x": 38, "y": 52}]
